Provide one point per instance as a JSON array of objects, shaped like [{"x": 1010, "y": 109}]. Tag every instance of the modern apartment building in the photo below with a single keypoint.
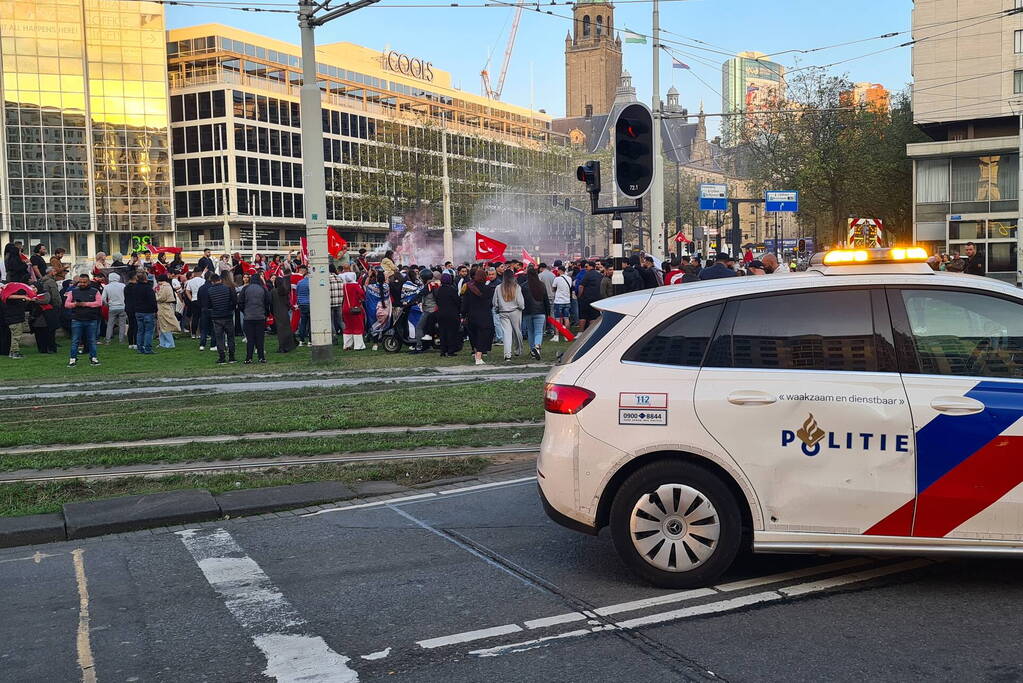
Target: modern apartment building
[
  {"x": 872, "y": 96},
  {"x": 967, "y": 95},
  {"x": 84, "y": 159},
  {"x": 749, "y": 82},
  {"x": 389, "y": 120}
]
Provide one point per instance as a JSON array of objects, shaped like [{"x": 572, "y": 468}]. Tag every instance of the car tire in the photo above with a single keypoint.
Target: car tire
[{"x": 676, "y": 524}]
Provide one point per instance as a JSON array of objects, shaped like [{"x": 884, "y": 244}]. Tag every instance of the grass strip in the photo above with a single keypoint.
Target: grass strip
[
  {"x": 280, "y": 448},
  {"x": 468, "y": 403},
  {"x": 31, "y": 499},
  {"x": 187, "y": 361}
]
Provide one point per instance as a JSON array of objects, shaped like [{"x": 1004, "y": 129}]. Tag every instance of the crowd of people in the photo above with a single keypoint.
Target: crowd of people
[{"x": 141, "y": 301}]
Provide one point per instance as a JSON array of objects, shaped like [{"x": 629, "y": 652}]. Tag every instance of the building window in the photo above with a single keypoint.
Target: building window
[
  {"x": 1018, "y": 42},
  {"x": 931, "y": 181},
  {"x": 586, "y": 26},
  {"x": 600, "y": 25},
  {"x": 1017, "y": 82}
]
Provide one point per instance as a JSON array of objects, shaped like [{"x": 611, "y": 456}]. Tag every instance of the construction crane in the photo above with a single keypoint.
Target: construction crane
[{"x": 495, "y": 93}]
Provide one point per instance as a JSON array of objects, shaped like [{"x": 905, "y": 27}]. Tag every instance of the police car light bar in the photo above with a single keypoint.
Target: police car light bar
[{"x": 847, "y": 257}]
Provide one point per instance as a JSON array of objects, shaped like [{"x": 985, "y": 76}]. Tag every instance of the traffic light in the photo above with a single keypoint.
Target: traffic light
[
  {"x": 589, "y": 173},
  {"x": 690, "y": 247},
  {"x": 634, "y": 151}
]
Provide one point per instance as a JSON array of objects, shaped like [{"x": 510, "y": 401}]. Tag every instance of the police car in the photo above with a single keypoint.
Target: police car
[{"x": 867, "y": 405}]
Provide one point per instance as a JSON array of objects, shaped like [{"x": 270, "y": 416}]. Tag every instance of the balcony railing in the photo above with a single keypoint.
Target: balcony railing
[{"x": 224, "y": 76}]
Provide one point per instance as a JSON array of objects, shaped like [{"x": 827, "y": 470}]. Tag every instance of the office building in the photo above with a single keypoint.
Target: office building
[
  {"x": 749, "y": 82},
  {"x": 389, "y": 120},
  {"x": 84, "y": 161},
  {"x": 967, "y": 90}
]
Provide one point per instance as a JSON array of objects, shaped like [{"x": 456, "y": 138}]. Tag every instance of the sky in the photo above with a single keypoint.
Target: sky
[{"x": 459, "y": 40}]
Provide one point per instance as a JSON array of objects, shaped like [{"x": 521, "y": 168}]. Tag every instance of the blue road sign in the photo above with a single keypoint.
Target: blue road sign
[
  {"x": 787, "y": 201},
  {"x": 713, "y": 197}
]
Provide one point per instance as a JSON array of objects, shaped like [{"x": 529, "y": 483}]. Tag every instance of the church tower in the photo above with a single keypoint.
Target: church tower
[{"x": 593, "y": 59}]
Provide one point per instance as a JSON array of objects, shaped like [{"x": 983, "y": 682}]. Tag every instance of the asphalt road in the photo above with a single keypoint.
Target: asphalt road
[{"x": 477, "y": 585}]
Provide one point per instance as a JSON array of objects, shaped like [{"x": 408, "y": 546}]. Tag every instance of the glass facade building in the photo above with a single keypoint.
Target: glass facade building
[
  {"x": 84, "y": 159},
  {"x": 236, "y": 143}
]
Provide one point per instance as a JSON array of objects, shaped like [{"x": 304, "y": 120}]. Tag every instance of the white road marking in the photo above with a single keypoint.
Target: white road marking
[
  {"x": 555, "y": 620},
  {"x": 36, "y": 557},
  {"x": 794, "y": 574},
  {"x": 716, "y": 607},
  {"x": 280, "y": 633},
  {"x": 490, "y": 485},
  {"x": 708, "y": 608},
  {"x": 420, "y": 496},
  {"x": 654, "y": 601},
  {"x": 467, "y": 636},
  {"x": 370, "y": 505},
  {"x": 83, "y": 642},
  {"x": 528, "y": 644},
  {"x": 844, "y": 579},
  {"x": 682, "y": 596},
  {"x": 378, "y": 655}
]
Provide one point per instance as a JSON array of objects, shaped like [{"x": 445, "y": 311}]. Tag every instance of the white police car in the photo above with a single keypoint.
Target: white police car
[{"x": 867, "y": 405}]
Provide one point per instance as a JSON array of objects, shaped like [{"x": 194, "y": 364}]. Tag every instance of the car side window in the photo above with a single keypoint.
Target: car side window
[
  {"x": 681, "y": 340},
  {"x": 965, "y": 333},
  {"x": 816, "y": 330}
]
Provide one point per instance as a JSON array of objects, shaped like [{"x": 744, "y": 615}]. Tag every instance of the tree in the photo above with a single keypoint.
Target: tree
[{"x": 845, "y": 160}]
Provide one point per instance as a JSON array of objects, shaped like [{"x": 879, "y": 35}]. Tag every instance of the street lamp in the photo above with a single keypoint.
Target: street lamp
[
  {"x": 1017, "y": 108},
  {"x": 312, "y": 170}
]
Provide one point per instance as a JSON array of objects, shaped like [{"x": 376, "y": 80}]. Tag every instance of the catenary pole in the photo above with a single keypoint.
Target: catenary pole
[
  {"x": 315, "y": 190},
  {"x": 313, "y": 173},
  {"x": 657, "y": 237}
]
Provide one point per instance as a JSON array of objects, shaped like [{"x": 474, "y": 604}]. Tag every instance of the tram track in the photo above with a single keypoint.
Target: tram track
[{"x": 142, "y": 471}]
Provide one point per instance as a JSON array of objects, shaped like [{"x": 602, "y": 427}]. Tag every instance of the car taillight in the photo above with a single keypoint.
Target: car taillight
[{"x": 565, "y": 400}]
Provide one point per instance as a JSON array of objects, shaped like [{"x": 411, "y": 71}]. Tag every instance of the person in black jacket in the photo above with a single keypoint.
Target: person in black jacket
[
  {"x": 254, "y": 303},
  {"x": 142, "y": 300},
  {"x": 478, "y": 309},
  {"x": 448, "y": 316},
  {"x": 633, "y": 279},
  {"x": 647, "y": 272},
  {"x": 222, "y": 302}
]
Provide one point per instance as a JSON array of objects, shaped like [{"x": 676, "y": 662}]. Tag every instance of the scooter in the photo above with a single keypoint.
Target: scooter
[{"x": 401, "y": 330}]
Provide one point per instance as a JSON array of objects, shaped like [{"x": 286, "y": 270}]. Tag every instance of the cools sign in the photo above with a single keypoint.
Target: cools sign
[{"x": 409, "y": 66}]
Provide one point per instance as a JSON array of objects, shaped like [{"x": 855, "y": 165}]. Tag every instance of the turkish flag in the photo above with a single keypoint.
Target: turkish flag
[
  {"x": 680, "y": 237},
  {"x": 305, "y": 251},
  {"x": 273, "y": 270},
  {"x": 247, "y": 268},
  {"x": 529, "y": 260},
  {"x": 163, "y": 250},
  {"x": 336, "y": 244},
  {"x": 489, "y": 249}
]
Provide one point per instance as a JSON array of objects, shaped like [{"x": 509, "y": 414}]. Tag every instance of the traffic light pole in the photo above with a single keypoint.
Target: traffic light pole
[{"x": 617, "y": 254}]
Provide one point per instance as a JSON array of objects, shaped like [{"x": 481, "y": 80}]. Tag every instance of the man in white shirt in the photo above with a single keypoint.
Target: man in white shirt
[
  {"x": 192, "y": 302},
  {"x": 562, "y": 306},
  {"x": 113, "y": 299}
]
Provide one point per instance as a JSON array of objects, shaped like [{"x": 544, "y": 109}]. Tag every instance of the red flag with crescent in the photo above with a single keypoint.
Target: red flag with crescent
[
  {"x": 336, "y": 244},
  {"x": 489, "y": 249},
  {"x": 529, "y": 260}
]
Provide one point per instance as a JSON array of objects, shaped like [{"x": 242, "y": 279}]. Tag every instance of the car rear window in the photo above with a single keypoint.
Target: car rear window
[{"x": 596, "y": 331}]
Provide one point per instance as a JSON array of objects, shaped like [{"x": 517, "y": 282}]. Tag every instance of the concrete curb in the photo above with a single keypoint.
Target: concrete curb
[{"x": 188, "y": 506}]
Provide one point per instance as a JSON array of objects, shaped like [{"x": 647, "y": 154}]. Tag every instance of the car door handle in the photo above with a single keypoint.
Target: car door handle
[
  {"x": 751, "y": 398},
  {"x": 957, "y": 405}
]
